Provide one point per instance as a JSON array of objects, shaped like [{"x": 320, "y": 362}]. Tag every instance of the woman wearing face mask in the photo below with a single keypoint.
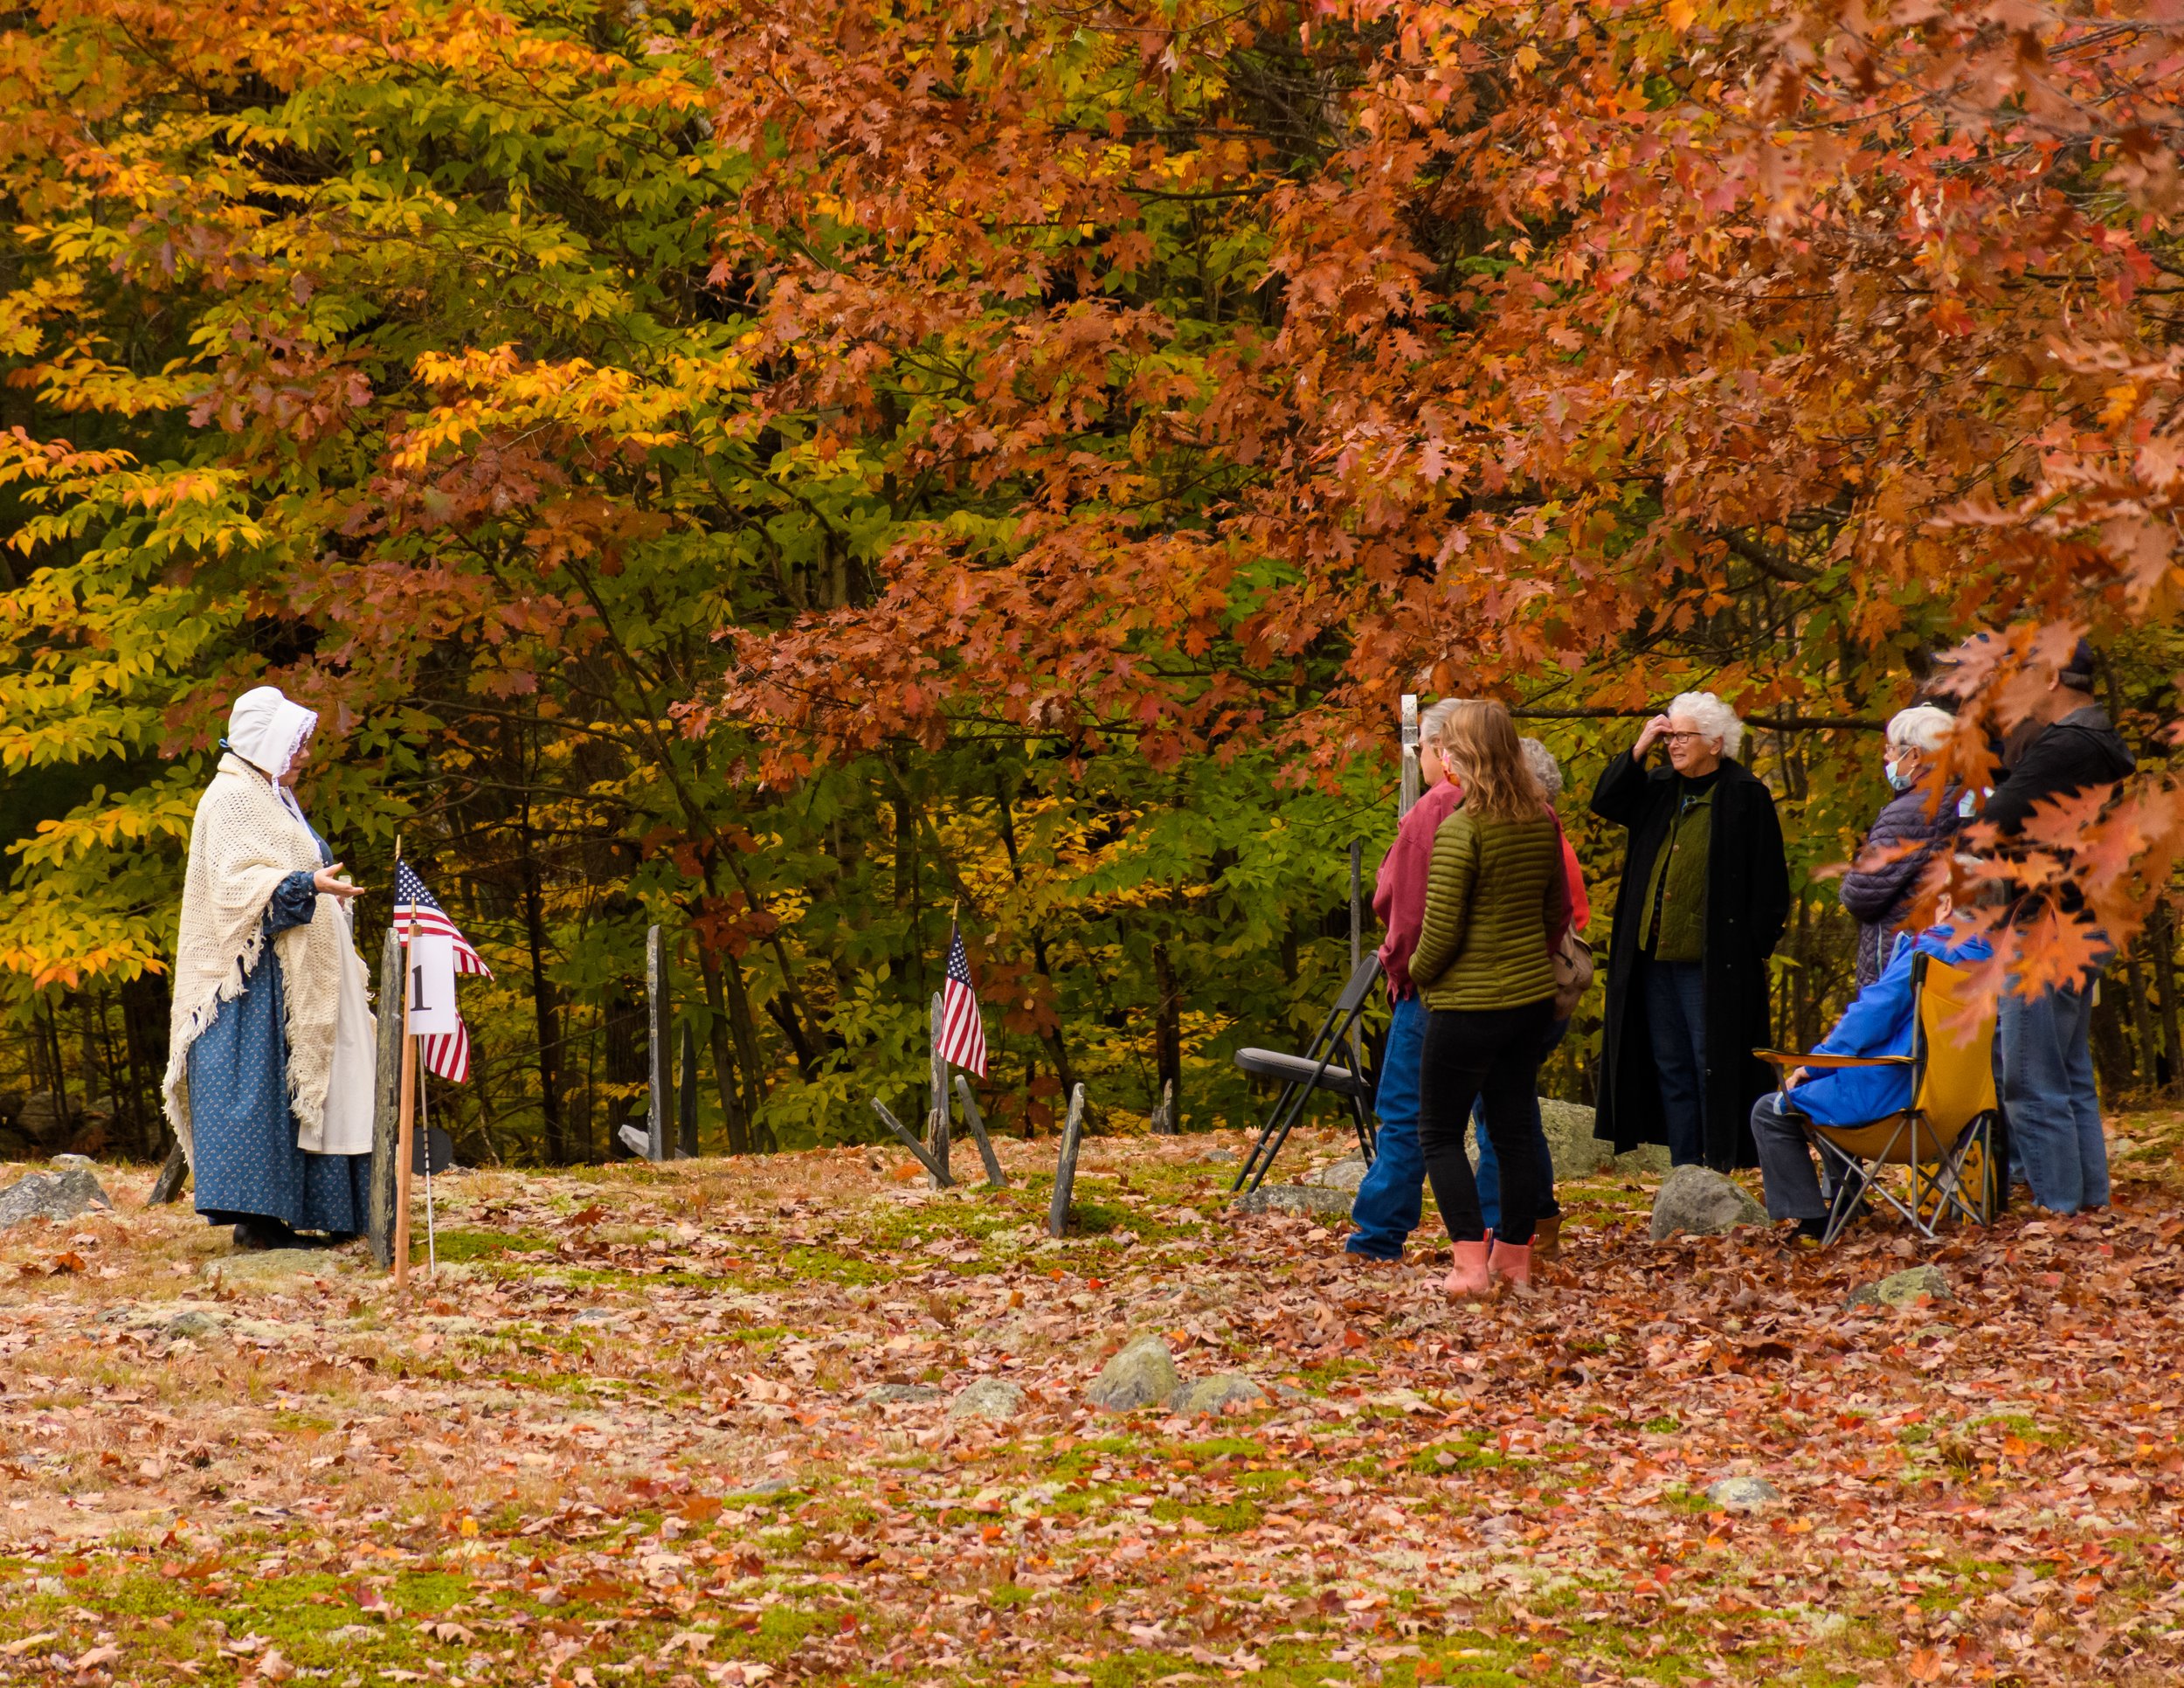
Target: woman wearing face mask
[
  {"x": 1878, "y": 892},
  {"x": 270, "y": 1052}
]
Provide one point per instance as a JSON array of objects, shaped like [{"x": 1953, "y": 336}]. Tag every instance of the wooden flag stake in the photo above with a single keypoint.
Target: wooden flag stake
[{"x": 405, "y": 1137}]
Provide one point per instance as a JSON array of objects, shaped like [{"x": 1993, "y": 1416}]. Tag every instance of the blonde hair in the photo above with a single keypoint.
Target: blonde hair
[{"x": 1480, "y": 745}]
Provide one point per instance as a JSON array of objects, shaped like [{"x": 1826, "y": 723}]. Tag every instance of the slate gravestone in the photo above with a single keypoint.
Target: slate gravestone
[
  {"x": 995, "y": 1178},
  {"x": 909, "y": 1139},
  {"x": 661, "y": 1011},
  {"x": 432, "y": 1151},
  {"x": 1065, "y": 1166},
  {"x": 167, "y": 1185},
  {"x": 386, "y": 1110}
]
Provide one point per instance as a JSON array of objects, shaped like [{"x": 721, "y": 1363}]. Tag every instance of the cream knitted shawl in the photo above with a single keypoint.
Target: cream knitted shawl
[{"x": 243, "y": 843}]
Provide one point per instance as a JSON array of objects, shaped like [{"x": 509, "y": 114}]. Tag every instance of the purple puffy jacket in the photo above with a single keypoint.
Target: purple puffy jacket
[{"x": 1878, "y": 897}]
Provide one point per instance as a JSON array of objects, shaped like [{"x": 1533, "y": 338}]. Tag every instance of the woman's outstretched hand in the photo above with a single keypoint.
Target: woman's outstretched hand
[{"x": 329, "y": 881}]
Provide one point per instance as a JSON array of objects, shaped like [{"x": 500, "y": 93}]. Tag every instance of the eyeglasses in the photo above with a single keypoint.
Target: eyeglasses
[{"x": 1681, "y": 738}]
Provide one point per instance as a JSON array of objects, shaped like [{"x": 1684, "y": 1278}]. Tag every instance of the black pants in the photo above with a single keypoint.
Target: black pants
[{"x": 1494, "y": 1056}]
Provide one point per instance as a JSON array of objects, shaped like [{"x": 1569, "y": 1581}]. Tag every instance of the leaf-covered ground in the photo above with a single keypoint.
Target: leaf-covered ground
[{"x": 628, "y": 1435}]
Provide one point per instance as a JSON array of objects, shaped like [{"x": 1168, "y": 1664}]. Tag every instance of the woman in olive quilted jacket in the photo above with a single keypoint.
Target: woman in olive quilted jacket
[{"x": 1496, "y": 903}]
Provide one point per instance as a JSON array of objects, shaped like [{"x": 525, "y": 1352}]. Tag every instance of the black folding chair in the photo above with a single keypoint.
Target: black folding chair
[{"x": 1324, "y": 1066}]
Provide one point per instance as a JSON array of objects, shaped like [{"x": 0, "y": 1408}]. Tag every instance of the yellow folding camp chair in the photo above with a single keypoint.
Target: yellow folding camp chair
[{"x": 1945, "y": 1139}]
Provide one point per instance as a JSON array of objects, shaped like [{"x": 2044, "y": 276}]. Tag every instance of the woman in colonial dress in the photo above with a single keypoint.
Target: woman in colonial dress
[{"x": 270, "y": 1067}]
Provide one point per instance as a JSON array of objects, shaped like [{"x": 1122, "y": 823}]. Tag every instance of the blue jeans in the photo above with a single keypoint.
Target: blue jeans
[
  {"x": 1676, "y": 1017},
  {"x": 1387, "y": 1208},
  {"x": 1488, "y": 1171},
  {"x": 2043, "y": 1058}
]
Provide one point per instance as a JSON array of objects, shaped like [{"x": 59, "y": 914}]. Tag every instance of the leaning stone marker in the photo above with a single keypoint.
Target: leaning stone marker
[
  {"x": 51, "y": 1195},
  {"x": 1699, "y": 1200},
  {"x": 1903, "y": 1289},
  {"x": 1065, "y": 1166},
  {"x": 995, "y": 1178},
  {"x": 1144, "y": 1375}
]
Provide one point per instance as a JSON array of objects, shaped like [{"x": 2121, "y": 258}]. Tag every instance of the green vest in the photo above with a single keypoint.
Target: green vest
[{"x": 1673, "y": 925}]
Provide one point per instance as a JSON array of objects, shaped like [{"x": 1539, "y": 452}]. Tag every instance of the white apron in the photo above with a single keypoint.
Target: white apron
[{"x": 352, "y": 1081}]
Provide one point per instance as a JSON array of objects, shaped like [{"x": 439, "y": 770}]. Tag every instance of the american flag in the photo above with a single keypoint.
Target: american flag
[
  {"x": 962, "y": 1030},
  {"x": 417, "y": 909},
  {"x": 445, "y": 1054},
  {"x": 448, "y": 1053}
]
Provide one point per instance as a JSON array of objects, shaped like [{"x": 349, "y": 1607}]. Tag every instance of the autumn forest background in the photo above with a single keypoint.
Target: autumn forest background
[{"x": 788, "y": 472}]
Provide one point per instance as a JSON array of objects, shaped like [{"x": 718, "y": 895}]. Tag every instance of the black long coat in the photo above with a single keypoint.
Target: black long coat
[{"x": 1747, "y": 906}]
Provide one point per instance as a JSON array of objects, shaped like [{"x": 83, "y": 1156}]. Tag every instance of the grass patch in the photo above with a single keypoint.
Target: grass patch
[
  {"x": 1223, "y": 1518},
  {"x": 460, "y": 1247}
]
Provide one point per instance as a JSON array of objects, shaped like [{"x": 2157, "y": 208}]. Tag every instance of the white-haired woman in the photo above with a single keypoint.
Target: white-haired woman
[
  {"x": 1704, "y": 896},
  {"x": 1878, "y": 892},
  {"x": 270, "y": 1054}
]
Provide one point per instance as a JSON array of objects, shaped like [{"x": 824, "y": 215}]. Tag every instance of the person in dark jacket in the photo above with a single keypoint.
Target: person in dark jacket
[
  {"x": 1877, "y": 893},
  {"x": 1704, "y": 896},
  {"x": 2043, "y": 1041}
]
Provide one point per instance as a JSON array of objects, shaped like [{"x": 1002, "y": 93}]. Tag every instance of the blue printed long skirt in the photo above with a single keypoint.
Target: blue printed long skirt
[{"x": 244, "y": 1161}]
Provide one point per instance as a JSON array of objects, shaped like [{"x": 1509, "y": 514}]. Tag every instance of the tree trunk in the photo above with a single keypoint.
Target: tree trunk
[
  {"x": 2162, "y": 930},
  {"x": 2146, "y": 1054},
  {"x": 1168, "y": 1033},
  {"x": 745, "y": 1029},
  {"x": 543, "y": 1008},
  {"x": 60, "y": 1072},
  {"x": 144, "y": 1001},
  {"x": 1056, "y": 1047},
  {"x": 623, "y": 1035},
  {"x": 720, "y": 1035}
]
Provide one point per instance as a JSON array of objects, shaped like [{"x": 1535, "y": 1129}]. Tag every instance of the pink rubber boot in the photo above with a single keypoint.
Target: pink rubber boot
[
  {"x": 1470, "y": 1276},
  {"x": 1511, "y": 1261}
]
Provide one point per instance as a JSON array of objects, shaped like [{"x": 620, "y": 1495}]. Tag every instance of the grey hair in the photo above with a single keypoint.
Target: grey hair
[
  {"x": 1435, "y": 721},
  {"x": 1713, "y": 718},
  {"x": 1922, "y": 727},
  {"x": 1546, "y": 771}
]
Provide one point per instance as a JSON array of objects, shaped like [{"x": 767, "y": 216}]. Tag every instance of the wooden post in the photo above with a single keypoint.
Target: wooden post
[
  {"x": 1411, "y": 776},
  {"x": 995, "y": 1178},
  {"x": 659, "y": 1017},
  {"x": 686, "y": 1097},
  {"x": 936, "y": 1122},
  {"x": 1066, "y": 1168},
  {"x": 386, "y": 1107}
]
